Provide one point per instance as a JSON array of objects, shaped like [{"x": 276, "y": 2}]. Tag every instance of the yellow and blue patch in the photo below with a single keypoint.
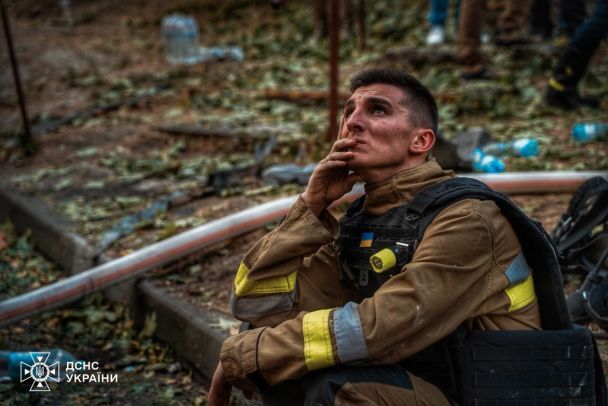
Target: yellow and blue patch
[{"x": 366, "y": 239}]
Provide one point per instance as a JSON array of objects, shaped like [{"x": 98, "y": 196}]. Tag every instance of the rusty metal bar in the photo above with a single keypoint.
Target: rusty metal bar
[
  {"x": 26, "y": 140},
  {"x": 334, "y": 57}
]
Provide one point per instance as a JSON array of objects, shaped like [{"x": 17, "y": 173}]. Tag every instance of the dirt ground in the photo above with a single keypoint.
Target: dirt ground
[{"x": 105, "y": 167}]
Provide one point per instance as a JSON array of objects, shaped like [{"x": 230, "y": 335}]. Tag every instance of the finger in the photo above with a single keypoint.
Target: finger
[
  {"x": 343, "y": 143},
  {"x": 340, "y": 156},
  {"x": 331, "y": 164}
]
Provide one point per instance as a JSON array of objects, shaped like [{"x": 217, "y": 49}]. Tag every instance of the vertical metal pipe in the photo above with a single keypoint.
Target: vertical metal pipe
[
  {"x": 27, "y": 142},
  {"x": 334, "y": 56},
  {"x": 362, "y": 25}
]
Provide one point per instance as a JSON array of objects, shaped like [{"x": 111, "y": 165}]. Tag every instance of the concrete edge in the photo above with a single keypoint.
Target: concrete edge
[
  {"x": 48, "y": 230},
  {"x": 187, "y": 329}
]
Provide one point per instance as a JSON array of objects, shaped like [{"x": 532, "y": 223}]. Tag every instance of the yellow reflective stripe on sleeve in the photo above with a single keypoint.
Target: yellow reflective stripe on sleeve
[
  {"x": 278, "y": 284},
  {"x": 521, "y": 294},
  {"x": 318, "y": 351}
]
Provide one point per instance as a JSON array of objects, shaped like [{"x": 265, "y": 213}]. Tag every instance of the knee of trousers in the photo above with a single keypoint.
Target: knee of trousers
[{"x": 321, "y": 387}]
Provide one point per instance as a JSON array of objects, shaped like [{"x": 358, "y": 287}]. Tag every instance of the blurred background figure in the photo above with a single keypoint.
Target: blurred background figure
[
  {"x": 541, "y": 19},
  {"x": 587, "y": 34},
  {"x": 439, "y": 11},
  {"x": 511, "y": 31}
]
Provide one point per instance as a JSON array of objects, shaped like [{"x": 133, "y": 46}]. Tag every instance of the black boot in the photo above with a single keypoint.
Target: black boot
[
  {"x": 568, "y": 99},
  {"x": 562, "y": 89}
]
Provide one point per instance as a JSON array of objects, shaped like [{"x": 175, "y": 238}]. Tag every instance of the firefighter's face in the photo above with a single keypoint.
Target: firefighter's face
[{"x": 376, "y": 117}]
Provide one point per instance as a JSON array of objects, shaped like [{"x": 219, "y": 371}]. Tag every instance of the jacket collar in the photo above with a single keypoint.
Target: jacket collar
[{"x": 400, "y": 188}]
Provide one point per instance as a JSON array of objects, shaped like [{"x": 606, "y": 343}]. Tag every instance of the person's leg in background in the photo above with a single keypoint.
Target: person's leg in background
[
  {"x": 469, "y": 38},
  {"x": 572, "y": 13},
  {"x": 512, "y": 23},
  {"x": 562, "y": 90},
  {"x": 438, "y": 13},
  {"x": 541, "y": 19}
]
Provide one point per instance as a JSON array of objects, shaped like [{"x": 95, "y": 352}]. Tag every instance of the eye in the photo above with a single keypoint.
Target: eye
[
  {"x": 347, "y": 113},
  {"x": 378, "y": 111}
]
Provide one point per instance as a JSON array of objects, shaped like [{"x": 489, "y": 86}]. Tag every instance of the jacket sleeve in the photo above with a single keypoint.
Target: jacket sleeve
[
  {"x": 292, "y": 268},
  {"x": 450, "y": 275}
]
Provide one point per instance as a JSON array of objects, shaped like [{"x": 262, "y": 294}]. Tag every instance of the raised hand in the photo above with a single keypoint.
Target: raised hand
[{"x": 330, "y": 180}]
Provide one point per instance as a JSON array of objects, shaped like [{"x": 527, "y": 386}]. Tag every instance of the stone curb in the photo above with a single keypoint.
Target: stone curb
[
  {"x": 49, "y": 231},
  {"x": 187, "y": 329}
]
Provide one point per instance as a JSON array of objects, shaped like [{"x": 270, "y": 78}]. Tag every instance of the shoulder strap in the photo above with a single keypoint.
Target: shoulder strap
[{"x": 536, "y": 244}]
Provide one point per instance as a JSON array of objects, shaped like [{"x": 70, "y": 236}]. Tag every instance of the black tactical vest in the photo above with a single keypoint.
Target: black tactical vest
[
  {"x": 453, "y": 364},
  {"x": 362, "y": 235}
]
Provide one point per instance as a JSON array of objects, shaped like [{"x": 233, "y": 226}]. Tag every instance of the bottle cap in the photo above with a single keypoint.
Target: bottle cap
[{"x": 527, "y": 147}]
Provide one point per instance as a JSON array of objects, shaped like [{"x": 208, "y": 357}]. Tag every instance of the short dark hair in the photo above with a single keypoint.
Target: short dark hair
[{"x": 417, "y": 96}]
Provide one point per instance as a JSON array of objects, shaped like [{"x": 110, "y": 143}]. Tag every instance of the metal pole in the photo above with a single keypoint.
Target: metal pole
[
  {"x": 334, "y": 56},
  {"x": 27, "y": 142}
]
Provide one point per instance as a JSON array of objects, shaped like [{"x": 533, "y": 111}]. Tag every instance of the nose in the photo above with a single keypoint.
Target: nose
[{"x": 355, "y": 122}]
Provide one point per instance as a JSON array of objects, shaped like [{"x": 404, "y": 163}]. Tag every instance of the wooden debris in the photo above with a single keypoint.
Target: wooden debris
[
  {"x": 49, "y": 126},
  {"x": 222, "y": 132},
  {"x": 417, "y": 56}
]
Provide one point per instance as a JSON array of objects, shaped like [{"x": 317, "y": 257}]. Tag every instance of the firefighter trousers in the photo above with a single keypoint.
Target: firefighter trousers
[{"x": 388, "y": 385}]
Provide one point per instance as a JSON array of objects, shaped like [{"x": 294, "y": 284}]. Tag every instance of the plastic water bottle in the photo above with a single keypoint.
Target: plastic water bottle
[
  {"x": 181, "y": 39},
  {"x": 482, "y": 162},
  {"x": 523, "y": 147},
  {"x": 215, "y": 54},
  {"x": 586, "y": 132},
  {"x": 11, "y": 362}
]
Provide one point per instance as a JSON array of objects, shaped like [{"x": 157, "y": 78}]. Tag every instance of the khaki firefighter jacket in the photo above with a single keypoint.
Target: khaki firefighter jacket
[{"x": 289, "y": 287}]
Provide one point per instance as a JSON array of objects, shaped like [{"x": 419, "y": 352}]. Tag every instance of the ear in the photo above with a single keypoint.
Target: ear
[{"x": 422, "y": 141}]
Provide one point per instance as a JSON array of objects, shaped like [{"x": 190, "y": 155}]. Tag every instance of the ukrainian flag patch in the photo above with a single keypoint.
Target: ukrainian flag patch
[{"x": 366, "y": 239}]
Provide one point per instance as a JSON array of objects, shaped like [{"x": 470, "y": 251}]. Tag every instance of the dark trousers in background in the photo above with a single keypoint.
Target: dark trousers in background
[
  {"x": 585, "y": 40},
  {"x": 511, "y": 23}
]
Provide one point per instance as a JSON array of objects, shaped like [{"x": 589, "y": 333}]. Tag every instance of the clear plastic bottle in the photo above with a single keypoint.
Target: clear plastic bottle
[
  {"x": 523, "y": 147},
  {"x": 180, "y": 33},
  {"x": 586, "y": 132},
  {"x": 11, "y": 362},
  {"x": 482, "y": 162}
]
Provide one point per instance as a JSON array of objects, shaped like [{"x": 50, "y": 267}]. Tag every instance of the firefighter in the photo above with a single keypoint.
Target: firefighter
[{"x": 326, "y": 327}]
